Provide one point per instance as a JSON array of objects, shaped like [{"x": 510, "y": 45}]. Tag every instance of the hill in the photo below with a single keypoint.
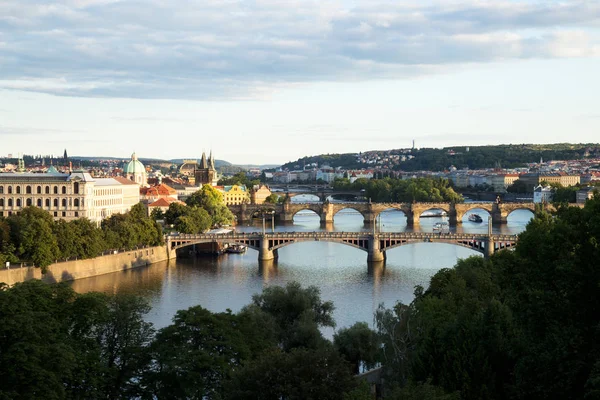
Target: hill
[{"x": 440, "y": 159}]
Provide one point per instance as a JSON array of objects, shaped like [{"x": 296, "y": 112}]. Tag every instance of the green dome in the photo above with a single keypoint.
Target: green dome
[{"x": 134, "y": 166}]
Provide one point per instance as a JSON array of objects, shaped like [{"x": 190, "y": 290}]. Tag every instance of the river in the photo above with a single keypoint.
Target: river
[{"x": 339, "y": 271}]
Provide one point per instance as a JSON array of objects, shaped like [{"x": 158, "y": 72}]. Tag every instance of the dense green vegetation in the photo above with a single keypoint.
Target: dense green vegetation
[
  {"x": 521, "y": 325},
  {"x": 399, "y": 190},
  {"x": 203, "y": 210},
  {"x": 524, "y": 324},
  {"x": 239, "y": 178},
  {"x": 57, "y": 344},
  {"x": 429, "y": 159},
  {"x": 33, "y": 236}
]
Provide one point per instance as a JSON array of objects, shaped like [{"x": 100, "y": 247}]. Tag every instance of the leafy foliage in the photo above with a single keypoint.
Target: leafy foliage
[
  {"x": 211, "y": 200},
  {"x": 56, "y": 344},
  {"x": 521, "y": 325},
  {"x": 399, "y": 190},
  {"x": 34, "y": 236}
]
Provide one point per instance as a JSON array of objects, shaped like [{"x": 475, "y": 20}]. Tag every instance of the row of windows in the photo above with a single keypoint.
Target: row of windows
[
  {"x": 107, "y": 192},
  {"x": 63, "y": 214},
  {"x": 38, "y": 203},
  {"x": 108, "y": 202},
  {"x": 29, "y": 189}
]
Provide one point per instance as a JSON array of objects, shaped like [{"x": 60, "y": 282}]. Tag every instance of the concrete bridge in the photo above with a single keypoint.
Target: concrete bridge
[
  {"x": 375, "y": 244},
  {"x": 326, "y": 211}
]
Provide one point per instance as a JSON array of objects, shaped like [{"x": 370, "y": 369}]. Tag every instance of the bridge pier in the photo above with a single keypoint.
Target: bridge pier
[
  {"x": 264, "y": 253},
  {"x": 499, "y": 219},
  {"x": 489, "y": 247},
  {"x": 413, "y": 219},
  {"x": 375, "y": 254},
  {"x": 327, "y": 213}
]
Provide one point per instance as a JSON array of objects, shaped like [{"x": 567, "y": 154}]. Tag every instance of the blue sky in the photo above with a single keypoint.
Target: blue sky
[{"x": 268, "y": 81}]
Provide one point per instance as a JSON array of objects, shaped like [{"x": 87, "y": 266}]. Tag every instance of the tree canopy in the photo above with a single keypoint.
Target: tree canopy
[
  {"x": 34, "y": 236},
  {"x": 521, "y": 325},
  {"x": 399, "y": 190}
]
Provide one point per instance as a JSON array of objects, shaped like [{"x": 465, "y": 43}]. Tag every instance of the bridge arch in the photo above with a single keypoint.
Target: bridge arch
[
  {"x": 477, "y": 246},
  {"x": 354, "y": 245},
  {"x": 419, "y": 208},
  {"x": 348, "y": 208},
  {"x": 391, "y": 215},
  {"x": 463, "y": 209},
  {"x": 483, "y": 213}
]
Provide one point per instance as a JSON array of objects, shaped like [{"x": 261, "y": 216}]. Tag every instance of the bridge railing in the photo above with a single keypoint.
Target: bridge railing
[{"x": 342, "y": 235}]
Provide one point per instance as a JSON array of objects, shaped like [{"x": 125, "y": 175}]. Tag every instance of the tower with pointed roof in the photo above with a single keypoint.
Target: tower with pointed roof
[{"x": 206, "y": 172}]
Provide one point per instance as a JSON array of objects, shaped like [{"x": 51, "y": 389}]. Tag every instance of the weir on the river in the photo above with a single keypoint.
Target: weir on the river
[{"x": 375, "y": 244}]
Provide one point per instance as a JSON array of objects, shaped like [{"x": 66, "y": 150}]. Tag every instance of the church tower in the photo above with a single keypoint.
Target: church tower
[{"x": 206, "y": 172}]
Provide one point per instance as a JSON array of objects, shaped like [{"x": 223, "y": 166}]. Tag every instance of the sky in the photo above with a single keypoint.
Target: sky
[{"x": 270, "y": 81}]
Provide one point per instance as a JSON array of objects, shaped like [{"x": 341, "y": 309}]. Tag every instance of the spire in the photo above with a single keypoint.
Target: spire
[
  {"x": 212, "y": 161},
  {"x": 21, "y": 164},
  {"x": 203, "y": 163}
]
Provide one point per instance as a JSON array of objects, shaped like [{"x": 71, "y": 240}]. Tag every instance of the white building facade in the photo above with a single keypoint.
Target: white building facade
[{"x": 67, "y": 196}]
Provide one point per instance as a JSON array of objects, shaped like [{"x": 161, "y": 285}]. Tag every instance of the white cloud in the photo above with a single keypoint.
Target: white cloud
[{"x": 219, "y": 49}]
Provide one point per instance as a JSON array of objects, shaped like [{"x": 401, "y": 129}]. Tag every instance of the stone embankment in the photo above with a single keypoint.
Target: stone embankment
[{"x": 78, "y": 269}]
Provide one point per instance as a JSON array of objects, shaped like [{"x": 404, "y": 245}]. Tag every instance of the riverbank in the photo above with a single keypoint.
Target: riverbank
[{"x": 78, "y": 269}]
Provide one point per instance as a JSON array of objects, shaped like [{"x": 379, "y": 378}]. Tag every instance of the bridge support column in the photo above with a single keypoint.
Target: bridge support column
[
  {"x": 453, "y": 218},
  {"x": 489, "y": 247},
  {"x": 264, "y": 253},
  {"x": 498, "y": 218},
  {"x": 412, "y": 219},
  {"x": 327, "y": 213},
  {"x": 375, "y": 252}
]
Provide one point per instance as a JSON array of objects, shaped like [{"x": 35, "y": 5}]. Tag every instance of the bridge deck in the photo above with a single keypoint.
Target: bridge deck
[{"x": 339, "y": 235}]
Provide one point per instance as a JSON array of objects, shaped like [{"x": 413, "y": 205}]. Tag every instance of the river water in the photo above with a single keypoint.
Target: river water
[{"x": 340, "y": 272}]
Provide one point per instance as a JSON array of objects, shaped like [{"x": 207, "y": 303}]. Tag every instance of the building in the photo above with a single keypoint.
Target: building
[
  {"x": 153, "y": 193},
  {"x": 163, "y": 204},
  {"x": 259, "y": 194},
  {"x": 234, "y": 194},
  {"x": 501, "y": 182},
  {"x": 67, "y": 196},
  {"x": 206, "y": 173},
  {"x": 542, "y": 194},
  {"x": 535, "y": 178},
  {"x": 586, "y": 193},
  {"x": 135, "y": 171}
]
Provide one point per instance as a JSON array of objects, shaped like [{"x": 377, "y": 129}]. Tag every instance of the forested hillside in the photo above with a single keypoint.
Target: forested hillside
[{"x": 473, "y": 157}]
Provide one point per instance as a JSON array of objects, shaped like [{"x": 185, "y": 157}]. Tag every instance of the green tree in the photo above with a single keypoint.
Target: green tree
[
  {"x": 195, "y": 355},
  {"x": 297, "y": 375},
  {"x": 519, "y": 186},
  {"x": 359, "y": 345},
  {"x": 7, "y": 248},
  {"x": 272, "y": 199},
  {"x": 32, "y": 234},
  {"x": 298, "y": 312},
  {"x": 157, "y": 214},
  {"x": 124, "y": 339},
  {"x": 211, "y": 200},
  {"x": 37, "y": 352}
]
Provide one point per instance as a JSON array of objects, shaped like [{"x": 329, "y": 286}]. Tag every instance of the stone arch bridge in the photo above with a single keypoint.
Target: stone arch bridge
[
  {"x": 375, "y": 245},
  {"x": 326, "y": 211}
]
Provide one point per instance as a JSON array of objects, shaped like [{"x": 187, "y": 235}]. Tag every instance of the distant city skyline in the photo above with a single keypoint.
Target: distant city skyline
[{"x": 269, "y": 82}]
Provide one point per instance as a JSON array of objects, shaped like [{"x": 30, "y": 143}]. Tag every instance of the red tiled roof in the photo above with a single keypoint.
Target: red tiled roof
[
  {"x": 165, "y": 202},
  {"x": 159, "y": 190}
]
